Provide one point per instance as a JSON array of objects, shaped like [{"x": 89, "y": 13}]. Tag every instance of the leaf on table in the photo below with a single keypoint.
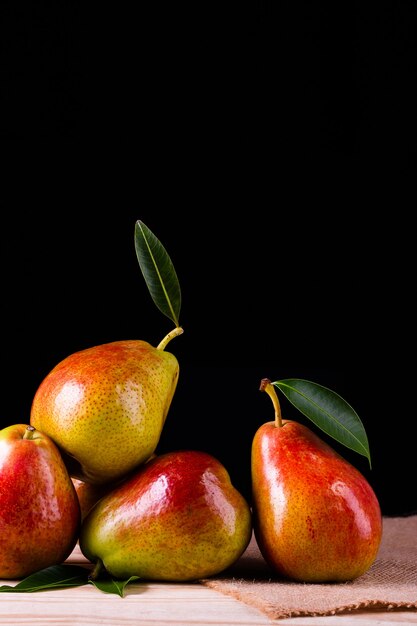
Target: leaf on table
[
  {"x": 54, "y": 577},
  {"x": 329, "y": 411},
  {"x": 158, "y": 272},
  {"x": 112, "y": 585}
]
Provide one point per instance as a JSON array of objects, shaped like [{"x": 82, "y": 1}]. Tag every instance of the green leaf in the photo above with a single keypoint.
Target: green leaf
[
  {"x": 329, "y": 411},
  {"x": 54, "y": 577},
  {"x": 112, "y": 585},
  {"x": 158, "y": 271}
]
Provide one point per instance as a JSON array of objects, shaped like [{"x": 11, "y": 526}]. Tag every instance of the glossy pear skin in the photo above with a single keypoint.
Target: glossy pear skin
[
  {"x": 105, "y": 407},
  {"x": 178, "y": 518},
  {"x": 316, "y": 517},
  {"x": 88, "y": 493},
  {"x": 39, "y": 509}
]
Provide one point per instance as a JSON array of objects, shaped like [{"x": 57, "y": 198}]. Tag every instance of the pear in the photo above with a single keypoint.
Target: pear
[
  {"x": 88, "y": 494},
  {"x": 105, "y": 406},
  {"x": 178, "y": 518},
  {"x": 316, "y": 517},
  {"x": 39, "y": 509}
]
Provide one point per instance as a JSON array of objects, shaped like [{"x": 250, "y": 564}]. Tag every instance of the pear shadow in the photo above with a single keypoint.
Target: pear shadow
[
  {"x": 135, "y": 588},
  {"x": 139, "y": 587}
]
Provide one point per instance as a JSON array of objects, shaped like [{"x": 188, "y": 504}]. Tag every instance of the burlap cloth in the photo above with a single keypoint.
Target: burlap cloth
[{"x": 390, "y": 583}]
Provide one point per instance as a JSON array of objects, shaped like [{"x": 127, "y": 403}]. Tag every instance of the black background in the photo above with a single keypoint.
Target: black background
[{"x": 272, "y": 149}]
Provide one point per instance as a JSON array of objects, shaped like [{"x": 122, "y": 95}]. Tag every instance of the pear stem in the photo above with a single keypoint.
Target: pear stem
[
  {"x": 165, "y": 341},
  {"x": 29, "y": 432},
  {"x": 267, "y": 386},
  {"x": 96, "y": 570}
]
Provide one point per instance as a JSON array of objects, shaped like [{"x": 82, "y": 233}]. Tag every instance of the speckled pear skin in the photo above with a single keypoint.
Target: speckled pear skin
[
  {"x": 105, "y": 407},
  {"x": 178, "y": 518},
  {"x": 316, "y": 518}
]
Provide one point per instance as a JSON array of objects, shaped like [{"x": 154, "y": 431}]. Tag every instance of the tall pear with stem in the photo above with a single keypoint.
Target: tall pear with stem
[
  {"x": 105, "y": 406},
  {"x": 316, "y": 517}
]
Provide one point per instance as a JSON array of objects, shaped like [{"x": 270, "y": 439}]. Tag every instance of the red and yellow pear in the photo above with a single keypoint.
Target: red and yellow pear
[
  {"x": 316, "y": 517},
  {"x": 39, "y": 509},
  {"x": 105, "y": 406},
  {"x": 178, "y": 518}
]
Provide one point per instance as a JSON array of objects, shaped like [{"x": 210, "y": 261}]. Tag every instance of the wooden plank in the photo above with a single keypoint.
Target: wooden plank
[{"x": 161, "y": 604}]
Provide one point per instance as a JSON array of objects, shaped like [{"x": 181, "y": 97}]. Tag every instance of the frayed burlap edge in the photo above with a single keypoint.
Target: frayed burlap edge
[
  {"x": 281, "y": 612},
  {"x": 395, "y": 570}
]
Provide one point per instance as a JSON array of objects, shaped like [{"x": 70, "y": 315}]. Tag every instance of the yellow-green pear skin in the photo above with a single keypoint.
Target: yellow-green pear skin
[
  {"x": 178, "y": 518},
  {"x": 105, "y": 407}
]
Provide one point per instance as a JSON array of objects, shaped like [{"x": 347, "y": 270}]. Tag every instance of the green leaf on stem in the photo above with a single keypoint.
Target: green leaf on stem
[
  {"x": 54, "y": 577},
  {"x": 329, "y": 411},
  {"x": 108, "y": 584},
  {"x": 158, "y": 272}
]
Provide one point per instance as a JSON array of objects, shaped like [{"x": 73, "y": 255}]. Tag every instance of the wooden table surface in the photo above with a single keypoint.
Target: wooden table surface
[{"x": 160, "y": 604}]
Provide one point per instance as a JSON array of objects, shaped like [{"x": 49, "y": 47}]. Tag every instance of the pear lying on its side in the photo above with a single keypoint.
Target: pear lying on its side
[{"x": 177, "y": 518}]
